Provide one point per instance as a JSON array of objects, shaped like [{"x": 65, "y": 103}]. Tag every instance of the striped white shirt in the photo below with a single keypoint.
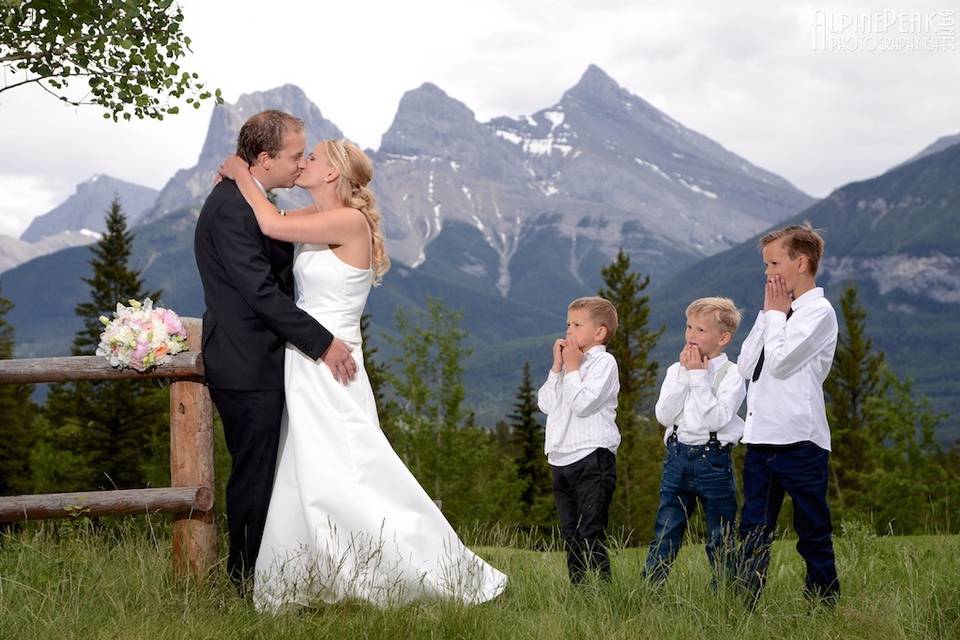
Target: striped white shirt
[
  {"x": 581, "y": 407},
  {"x": 693, "y": 401},
  {"x": 785, "y": 405}
]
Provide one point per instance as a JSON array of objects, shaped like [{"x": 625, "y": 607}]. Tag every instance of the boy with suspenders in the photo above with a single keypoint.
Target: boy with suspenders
[{"x": 698, "y": 405}]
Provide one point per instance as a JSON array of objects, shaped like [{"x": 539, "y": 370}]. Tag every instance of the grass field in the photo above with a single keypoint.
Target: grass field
[{"x": 66, "y": 580}]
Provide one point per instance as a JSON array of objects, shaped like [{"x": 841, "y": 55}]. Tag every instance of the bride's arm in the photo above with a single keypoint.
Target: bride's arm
[{"x": 335, "y": 226}]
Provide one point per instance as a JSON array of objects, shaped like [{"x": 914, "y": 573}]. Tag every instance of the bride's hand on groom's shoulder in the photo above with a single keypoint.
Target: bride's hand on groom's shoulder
[{"x": 231, "y": 168}]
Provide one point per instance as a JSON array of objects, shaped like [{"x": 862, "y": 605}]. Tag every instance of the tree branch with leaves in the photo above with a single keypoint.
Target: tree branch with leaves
[{"x": 120, "y": 55}]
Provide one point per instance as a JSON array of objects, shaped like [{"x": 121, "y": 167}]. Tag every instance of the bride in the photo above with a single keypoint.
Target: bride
[{"x": 347, "y": 519}]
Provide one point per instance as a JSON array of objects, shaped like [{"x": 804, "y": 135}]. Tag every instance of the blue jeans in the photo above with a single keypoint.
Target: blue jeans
[
  {"x": 800, "y": 470},
  {"x": 692, "y": 473}
]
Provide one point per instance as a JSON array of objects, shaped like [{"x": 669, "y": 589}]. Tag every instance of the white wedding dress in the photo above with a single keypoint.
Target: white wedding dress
[{"x": 347, "y": 520}]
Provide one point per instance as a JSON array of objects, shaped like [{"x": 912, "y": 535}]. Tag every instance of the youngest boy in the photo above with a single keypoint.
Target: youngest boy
[
  {"x": 580, "y": 400},
  {"x": 698, "y": 406}
]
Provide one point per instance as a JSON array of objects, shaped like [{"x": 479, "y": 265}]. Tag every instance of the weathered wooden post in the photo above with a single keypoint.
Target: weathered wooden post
[{"x": 191, "y": 464}]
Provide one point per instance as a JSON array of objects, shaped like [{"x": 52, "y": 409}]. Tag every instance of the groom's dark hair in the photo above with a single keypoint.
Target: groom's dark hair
[{"x": 264, "y": 132}]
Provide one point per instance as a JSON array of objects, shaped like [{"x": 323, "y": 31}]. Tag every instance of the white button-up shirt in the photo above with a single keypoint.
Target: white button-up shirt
[
  {"x": 785, "y": 405},
  {"x": 689, "y": 400},
  {"x": 581, "y": 407}
]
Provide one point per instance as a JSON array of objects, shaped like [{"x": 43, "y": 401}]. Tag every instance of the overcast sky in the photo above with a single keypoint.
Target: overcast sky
[{"x": 754, "y": 76}]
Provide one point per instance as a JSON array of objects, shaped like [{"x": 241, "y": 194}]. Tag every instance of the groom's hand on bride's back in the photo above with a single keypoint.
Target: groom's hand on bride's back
[{"x": 339, "y": 358}]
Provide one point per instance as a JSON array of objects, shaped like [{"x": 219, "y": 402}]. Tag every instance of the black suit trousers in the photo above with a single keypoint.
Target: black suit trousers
[{"x": 251, "y": 426}]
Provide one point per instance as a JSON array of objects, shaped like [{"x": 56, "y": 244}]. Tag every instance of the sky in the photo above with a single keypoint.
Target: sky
[{"x": 820, "y": 93}]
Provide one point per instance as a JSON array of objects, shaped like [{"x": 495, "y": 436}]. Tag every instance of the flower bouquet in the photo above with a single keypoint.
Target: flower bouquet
[{"x": 141, "y": 336}]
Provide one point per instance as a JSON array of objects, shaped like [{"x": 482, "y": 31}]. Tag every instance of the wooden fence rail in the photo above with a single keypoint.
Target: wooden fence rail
[{"x": 190, "y": 499}]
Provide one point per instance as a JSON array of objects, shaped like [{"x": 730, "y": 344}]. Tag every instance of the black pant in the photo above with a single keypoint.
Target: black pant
[
  {"x": 251, "y": 426},
  {"x": 800, "y": 470},
  {"x": 583, "y": 491}
]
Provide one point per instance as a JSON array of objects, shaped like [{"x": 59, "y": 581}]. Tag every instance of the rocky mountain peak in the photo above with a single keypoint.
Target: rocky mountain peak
[
  {"x": 427, "y": 122},
  {"x": 87, "y": 207},
  {"x": 190, "y": 186},
  {"x": 598, "y": 89},
  {"x": 226, "y": 120}
]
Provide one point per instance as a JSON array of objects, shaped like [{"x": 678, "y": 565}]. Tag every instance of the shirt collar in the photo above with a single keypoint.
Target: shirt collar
[
  {"x": 595, "y": 350},
  {"x": 259, "y": 186},
  {"x": 807, "y": 298},
  {"x": 715, "y": 363}
]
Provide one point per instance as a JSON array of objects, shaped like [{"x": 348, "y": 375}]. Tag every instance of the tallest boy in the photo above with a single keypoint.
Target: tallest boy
[{"x": 787, "y": 358}]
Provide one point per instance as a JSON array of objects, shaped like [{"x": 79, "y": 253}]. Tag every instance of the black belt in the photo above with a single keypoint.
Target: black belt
[{"x": 780, "y": 447}]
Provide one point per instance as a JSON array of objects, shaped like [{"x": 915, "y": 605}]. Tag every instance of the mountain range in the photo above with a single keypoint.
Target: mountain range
[
  {"x": 14, "y": 252},
  {"x": 508, "y": 220},
  {"x": 85, "y": 209}
]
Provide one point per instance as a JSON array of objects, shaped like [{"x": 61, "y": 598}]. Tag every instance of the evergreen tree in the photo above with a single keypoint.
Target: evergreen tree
[
  {"x": 886, "y": 462},
  {"x": 906, "y": 487},
  {"x": 856, "y": 376},
  {"x": 108, "y": 433},
  {"x": 17, "y": 413},
  {"x": 533, "y": 471},
  {"x": 640, "y": 451}
]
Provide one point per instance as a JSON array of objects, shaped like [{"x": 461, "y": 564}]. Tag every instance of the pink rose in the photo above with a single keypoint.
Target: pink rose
[
  {"x": 172, "y": 322},
  {"x": 142, "y": 348}
]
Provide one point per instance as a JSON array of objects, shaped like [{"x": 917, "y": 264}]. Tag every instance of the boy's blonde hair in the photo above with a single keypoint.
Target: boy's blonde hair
[
  {"x": 601, "y": 312},
  {"x": 723, "y": 311},
  {"x": 799, "y": 239}
]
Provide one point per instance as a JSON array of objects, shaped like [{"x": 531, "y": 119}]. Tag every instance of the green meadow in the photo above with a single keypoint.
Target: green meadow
[{"x": 75, "y": 579}]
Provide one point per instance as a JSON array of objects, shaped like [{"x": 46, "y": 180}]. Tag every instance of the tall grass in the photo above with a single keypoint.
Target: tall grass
[{"x": 76, "y": 580}]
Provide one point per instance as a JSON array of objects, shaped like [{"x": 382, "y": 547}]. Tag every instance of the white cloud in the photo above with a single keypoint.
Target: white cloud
[{"x": 24, "y": 197}]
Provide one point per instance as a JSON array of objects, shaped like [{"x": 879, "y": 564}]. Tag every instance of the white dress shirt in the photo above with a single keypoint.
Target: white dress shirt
[
  {"x": 785, "y": 405},
  {"x": 691, "y": 399},
  {"x": 581, "y": 407}
]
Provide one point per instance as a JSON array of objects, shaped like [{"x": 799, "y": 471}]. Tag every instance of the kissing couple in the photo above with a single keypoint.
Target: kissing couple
[{"x": 319, "y": 506}]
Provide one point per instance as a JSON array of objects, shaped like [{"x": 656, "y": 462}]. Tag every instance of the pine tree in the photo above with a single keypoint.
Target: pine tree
[
  {"x": 108, "y": 433},
  {"x": 906, "y": 486},
  {"x": 640, "y": 451},
  {"x": 17, "y": 413},
  {"x": 533, "y": 472},
  {"x": 634, "y": 341},
  {"x": 856, "y": 376}
]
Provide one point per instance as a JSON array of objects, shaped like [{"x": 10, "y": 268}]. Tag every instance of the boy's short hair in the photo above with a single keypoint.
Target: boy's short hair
[
  {"x": 799, "y": 239},
  {"x": 601, "y": 311},
  {"x": 723, "y": 311}
]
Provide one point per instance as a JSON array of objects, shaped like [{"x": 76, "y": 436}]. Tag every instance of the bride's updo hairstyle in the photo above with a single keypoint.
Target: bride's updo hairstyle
[{"x": 356, "y": 172}]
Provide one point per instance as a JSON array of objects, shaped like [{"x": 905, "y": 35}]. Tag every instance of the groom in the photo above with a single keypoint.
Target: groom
[{"x": 250, "y": 316}]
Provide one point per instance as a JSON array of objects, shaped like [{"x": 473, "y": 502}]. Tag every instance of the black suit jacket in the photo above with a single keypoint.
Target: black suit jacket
[{"x": 248, "y": 289}]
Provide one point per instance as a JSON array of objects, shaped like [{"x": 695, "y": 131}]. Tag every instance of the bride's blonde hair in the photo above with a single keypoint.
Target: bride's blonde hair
[{"x": 356, "y": 172}]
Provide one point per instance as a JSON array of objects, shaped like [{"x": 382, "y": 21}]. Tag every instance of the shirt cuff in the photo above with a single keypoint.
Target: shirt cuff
[
  {"x": 775, "y": 317},
  {"x": 553, "y": 375}
]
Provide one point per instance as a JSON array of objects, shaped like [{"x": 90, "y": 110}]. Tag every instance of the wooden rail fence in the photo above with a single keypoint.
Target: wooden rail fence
[{"x": 190, "y": 499}]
